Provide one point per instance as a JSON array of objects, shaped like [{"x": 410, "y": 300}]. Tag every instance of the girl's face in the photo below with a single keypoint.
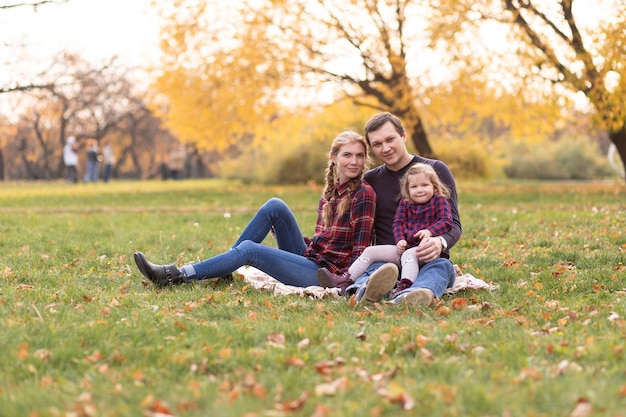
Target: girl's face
[
  {"x": 350, "y": 161},
  {"x": 421, "y": 190}
]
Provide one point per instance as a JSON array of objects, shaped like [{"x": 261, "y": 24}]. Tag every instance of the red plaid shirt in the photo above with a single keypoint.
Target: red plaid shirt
[
  {"x": 434, "y": 215},
  {"x": 348, "y": 235}
]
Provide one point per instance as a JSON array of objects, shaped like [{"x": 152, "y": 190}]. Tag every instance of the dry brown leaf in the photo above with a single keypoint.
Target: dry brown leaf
[
  {"x": 295, "y": 361},
  {"x": 294, "y": 405},
  {"x": 352, "y": 301},
  {"x": 259, "y": 391},
  {"x": 421, "y": 340},
  {"x": 321, "y": 410},
  {"x": 304, "y": 343},
  {"x": 332, "y": 388},
  {"x": 583, "y": 408},
  {"x": 24, "y": 287},
  {"x": 160, "y": 408},
  {"x": 426, "y": 354},
  {"x": 443, "y": 311},
  {"x": 225, "y": 353},
  {"x": 458, "y": 304},
  {"x": 530, "y": 373},
  {"x": 325, "y": 367},
  {"x": 396, "y": 394},
  {"x": 276, "y": 340}
]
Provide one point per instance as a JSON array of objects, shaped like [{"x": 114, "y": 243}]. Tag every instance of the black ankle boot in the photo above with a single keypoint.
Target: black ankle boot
[{"x": 160, "y": 275}]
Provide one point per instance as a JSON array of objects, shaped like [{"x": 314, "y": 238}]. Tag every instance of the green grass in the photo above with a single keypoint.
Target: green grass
[{"x": 83, "y": 335}]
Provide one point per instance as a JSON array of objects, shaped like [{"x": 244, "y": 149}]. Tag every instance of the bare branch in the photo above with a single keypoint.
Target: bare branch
[
  {"x": 34, "y": 5},
  {"x": 536, "y": 39},
  {"x": 26, "y": 88}
]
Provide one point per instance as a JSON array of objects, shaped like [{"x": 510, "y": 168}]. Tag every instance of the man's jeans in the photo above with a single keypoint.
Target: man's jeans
[{"x": 437, "y": 276}]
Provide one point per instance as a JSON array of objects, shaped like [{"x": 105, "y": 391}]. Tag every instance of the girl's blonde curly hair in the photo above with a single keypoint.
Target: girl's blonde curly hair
[{"x": 429, "y": 171}]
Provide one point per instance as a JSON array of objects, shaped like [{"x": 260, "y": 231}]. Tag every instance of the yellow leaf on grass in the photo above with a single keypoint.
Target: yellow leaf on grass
[{"x": 22, "y": 351}]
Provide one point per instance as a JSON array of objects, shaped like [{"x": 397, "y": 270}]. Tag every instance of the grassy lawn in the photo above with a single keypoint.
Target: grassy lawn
[{"x": 82, "y": 335}]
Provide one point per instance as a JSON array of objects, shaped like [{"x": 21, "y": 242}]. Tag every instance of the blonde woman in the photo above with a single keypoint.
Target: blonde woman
[{"x": 343, "y": 230}]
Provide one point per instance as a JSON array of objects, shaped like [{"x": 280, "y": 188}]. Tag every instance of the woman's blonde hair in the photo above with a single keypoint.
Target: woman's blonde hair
[
  {"x": 429, "y": 171},
  {"x": 332, "y": 180}
]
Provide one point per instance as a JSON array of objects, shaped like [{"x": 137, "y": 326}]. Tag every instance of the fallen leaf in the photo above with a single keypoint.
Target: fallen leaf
[
  {"x": 295, "y": 361},
  {"x": 458, "y": 303},
  {"x": 331, "y": 388},
  {"x": 395, "y": 393},
  {"x": 276, "y": 340},
  {"x": 583, "y": 408},
  {"x": 294, "y": 405}
]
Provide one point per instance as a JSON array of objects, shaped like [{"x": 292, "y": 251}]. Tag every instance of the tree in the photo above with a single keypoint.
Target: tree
[
  {"x": 85, "y": 102},
  {"x": 573, "y": 45},
  {"x": 25, "y": 86},
  {"x": 216, "y": 86},
  {"x": 371, "y": 50}
]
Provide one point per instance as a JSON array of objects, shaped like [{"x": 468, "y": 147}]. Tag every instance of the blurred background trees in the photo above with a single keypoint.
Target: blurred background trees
[{"x": 257, "y": 90}]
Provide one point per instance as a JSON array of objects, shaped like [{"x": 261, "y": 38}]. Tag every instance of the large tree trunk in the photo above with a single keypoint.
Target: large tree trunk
[
  {"x": 618, "y": 138},
  {"x": 420, "y": 139},
  {"x": 415, "y": 130}
]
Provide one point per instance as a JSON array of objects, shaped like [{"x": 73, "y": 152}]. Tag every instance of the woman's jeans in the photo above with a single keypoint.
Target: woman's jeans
[
  {"x": 92, "y": 171},
  {"x": 285, "y": 264},
  {"x": 437, "y": 276}
]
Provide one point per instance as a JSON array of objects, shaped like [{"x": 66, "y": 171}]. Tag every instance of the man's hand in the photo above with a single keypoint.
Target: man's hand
[{"x": 429, "y": 249}]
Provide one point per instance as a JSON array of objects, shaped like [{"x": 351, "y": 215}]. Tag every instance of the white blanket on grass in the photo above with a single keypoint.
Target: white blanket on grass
[{"x": 260, "y": 280}]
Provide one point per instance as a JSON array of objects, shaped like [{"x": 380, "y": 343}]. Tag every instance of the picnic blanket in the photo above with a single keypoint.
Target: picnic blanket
[{"x": 260, "y": 280}]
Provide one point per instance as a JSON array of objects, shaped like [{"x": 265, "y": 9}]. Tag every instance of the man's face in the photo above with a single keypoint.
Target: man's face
[{"x": 388, "y": 145}]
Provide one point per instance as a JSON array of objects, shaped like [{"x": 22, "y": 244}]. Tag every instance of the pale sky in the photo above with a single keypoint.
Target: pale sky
[{"x": 94, "y": 29}]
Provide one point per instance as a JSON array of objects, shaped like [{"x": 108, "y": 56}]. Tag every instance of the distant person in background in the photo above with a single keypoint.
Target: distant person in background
[
  {"x": 93, "y": 161},
  {"x": 70, "y": 159},
  {"x": 108, "y": 159},
  {"x": 177, "y": 162}
]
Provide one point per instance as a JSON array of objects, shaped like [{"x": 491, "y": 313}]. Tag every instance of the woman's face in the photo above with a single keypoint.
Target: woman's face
[{"x": 350, "y": 160}]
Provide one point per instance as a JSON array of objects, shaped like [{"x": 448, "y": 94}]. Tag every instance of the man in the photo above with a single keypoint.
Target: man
[{"x": 387, "y": 139}]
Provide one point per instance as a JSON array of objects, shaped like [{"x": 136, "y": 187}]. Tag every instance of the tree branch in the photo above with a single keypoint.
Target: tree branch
[{"x": 33, "y": 5}]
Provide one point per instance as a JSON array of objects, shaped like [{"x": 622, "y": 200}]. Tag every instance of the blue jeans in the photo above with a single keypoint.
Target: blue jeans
[
  {"x": 286, "y": 263},
  {"x": 437, "y": 276},
  {"x": 108, "y": 169},
  {"x": 92, "y": 171}
]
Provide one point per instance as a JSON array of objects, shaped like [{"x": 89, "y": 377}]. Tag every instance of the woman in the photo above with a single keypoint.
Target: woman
[{"x": 343, "y": 230}]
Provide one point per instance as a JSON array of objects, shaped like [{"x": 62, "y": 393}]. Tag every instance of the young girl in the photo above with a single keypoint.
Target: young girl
[
  {"x": 423, "y": 212},
  {"x": 343, "y": 230}
]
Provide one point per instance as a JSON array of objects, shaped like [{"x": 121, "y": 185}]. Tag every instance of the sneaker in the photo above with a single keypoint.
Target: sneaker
[
  {"x": 381, "y": 282},
  {"x": 420, "y": 296}
]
